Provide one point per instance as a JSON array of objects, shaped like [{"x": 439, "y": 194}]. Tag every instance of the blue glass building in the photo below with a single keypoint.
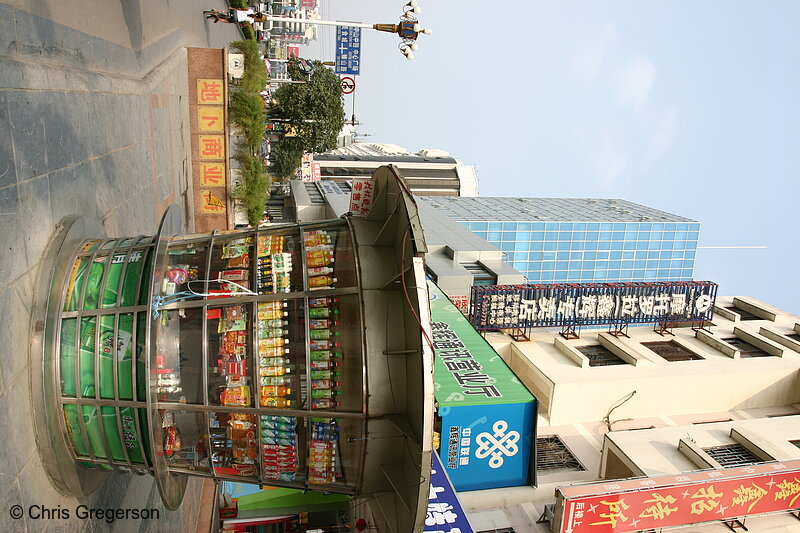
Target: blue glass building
[{"x": 579, "y": 239}]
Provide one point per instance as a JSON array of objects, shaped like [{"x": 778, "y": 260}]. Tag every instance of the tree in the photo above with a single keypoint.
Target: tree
[{"x": 313, "y": 111}]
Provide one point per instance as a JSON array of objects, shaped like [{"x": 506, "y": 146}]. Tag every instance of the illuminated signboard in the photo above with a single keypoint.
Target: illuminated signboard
[
  {"x": 682, "y": 499},
  {"x": 590, "y": 304}
]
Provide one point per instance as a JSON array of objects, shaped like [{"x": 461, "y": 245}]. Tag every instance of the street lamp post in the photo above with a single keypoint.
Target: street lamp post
[{"x": 408, "y": 28}]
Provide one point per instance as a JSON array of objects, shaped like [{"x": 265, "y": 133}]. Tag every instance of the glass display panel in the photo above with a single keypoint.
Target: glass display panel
[
  {"x": 185, "y": 444},
  {"x": 329, "y": 258},
  {"x": 186, "y": 265},
  {"x": 229, "y": 350},
  {"x": 178, "y": 356},
  {"x": 278, "y": 262},
  {"x": 281, "y": 361},
  {"x": 233, "y": 444}
]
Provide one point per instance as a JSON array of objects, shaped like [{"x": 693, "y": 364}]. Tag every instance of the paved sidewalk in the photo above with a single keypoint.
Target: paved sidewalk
[{"x": 93, "y": 121}]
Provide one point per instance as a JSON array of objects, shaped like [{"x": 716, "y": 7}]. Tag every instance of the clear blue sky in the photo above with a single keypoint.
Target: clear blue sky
[{"x": 689, "y": 107}]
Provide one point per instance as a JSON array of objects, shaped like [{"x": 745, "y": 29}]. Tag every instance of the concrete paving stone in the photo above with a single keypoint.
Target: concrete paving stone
[
  {"x": 7, "y": 524},
  {"x": 15, "y": 300},
  {"x": 72, "y": 192},
  {"x": 11, "y": 74},
  {"x": 9, "y": 200},
  {"x": 36, "y": 216},
  {"x": 12, "y": 247},
  {"x": 8, "y": 35},
  {"x": 25, "y": 111},
  {"x": 8, "y": 171},
  {"x": 20, "y": 415},
  {"x": 8, "y": 460},
  {"x": 99, "y": 116},
  {"x": 59, "y": 130},
  {"x": 36, "y": 489},
  {"x": 79, "y": 116},
  {"x": 40, "y": 38}
]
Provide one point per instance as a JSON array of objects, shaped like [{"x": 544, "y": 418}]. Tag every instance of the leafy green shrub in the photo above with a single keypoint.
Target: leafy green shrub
[
  {"x": 238, "y": 4},
  {"x": 254, "y": 188}
]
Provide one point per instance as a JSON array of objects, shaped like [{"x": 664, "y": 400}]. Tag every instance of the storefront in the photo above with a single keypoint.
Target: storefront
[
  {"x": 258, "y": 356},
  {"x": 486, "y": 417}
]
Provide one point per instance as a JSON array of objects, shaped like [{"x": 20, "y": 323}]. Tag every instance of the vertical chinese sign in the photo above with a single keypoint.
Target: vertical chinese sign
[
  {"x": 675, "y": 500},
  {"x": 445, "y": 514},
  {"x": 362, "y": 196},
  {"x": 207, "y": 108},
  {"x": 348, "y": 50},
  {"x": 488, "y": 416}
]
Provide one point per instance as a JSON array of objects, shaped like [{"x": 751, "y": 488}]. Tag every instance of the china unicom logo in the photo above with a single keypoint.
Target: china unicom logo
[{"x": 498, "y": 444}]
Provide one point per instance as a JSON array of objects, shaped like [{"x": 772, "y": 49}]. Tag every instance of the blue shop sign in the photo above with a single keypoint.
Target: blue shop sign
[
  {"x": 487, "y": 447},
  {"x": 445, "y": 514}
]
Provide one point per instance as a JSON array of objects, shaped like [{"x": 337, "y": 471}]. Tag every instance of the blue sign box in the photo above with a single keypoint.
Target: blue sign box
[
  {"x": 348, "y": 50},
  {"x": 445, "y": 514}
]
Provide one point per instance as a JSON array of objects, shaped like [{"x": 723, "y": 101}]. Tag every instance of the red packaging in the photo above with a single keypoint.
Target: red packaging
[{"x": 233, "y": 275}]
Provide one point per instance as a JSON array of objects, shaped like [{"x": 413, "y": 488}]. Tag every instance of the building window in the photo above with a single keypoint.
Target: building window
[
  {"x": 732, "y": 455},
  {"x": 552, "y": 455},
  {"x": 746, "y": 349},
  {"x": 599, "y": 355},
  {"x": 672, "y": 351},
  {"x": 793, "y": 336},
  {"x": 745, "y": 315},
  {"x": 480, "y": 276},
  {"x": 796, "y": 442}
]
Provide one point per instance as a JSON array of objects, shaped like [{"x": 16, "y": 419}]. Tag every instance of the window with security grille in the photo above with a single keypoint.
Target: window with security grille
[
  {"x": 672, "y": 351},
  {"x": 599, "y": 355},
  {"x": 732, "y": 455},
  {"x": 746, "y": 349},
  {"x": 552, "y": 455},
  {"x": 745, "y": 315}
]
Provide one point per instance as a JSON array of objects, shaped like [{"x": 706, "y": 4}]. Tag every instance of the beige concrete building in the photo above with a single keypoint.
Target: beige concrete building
[{"x": 647, "y": 404}]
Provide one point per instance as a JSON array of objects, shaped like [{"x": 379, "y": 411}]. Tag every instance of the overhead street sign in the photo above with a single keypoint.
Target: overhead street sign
[
  {"x": 348, "y": 85},
  {"x": 348, "y": 50}
]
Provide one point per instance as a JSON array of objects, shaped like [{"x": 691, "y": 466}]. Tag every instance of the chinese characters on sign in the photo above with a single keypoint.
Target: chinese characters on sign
[
  {"x": 530, "y": 306},
  {"x": 444, "y": 513},
  {"x": 212, "y": 174},
  {"x": 459, "y": 362},
  {"x": 361, "y": 196},
  {"x": 210, "y": 91},
  {"x": 668, "y": 501},
  {"x": 210, "y": 118},
  {"x": 348, "y": 50},
  {"x": 211, "y": 204}
]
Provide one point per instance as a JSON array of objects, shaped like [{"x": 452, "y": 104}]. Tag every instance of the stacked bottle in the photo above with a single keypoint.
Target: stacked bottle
[
  {"x": 273, "y": 361},
  {"x": 319, "y": 260},
  {"x": 273, "y": 274},
  {"x": 326, "y": 355},
  {"x": 279, "y": 447},
  {"x": 322, "y": 451}
]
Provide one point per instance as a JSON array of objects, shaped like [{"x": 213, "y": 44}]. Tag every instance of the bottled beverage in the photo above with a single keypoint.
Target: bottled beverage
[
  {"x": 275, "y": 370},
  {"x": 273, "y": 361},
  {"x": 323, "y": 374},
  {"x": 326, "y": 301},
  {"x": 319, "y": 271},
  {"x": 274, "y": 352},
  {"x": 316, "y": 238},
  {"x": 323, "y": 393},
  {"x": 323, "y": 355},
  {"x": 323, "y": 383},
  {"x": 265, "y": 333},
  {"x": 273, "y": 323},
  {"x": 275, "y": 390},
  {"x": 321, "y": 282},
  {"x": 323, "y": 403},
  {"x": 275, "y": 402},
  {"x": 272, "y": 342},
  {"x": 272, "y": 381},
  {"x": 319, "y": 258},
  {"x": 322, "y": 334},
  {"x": 322, "y": 323},
  {"x": 322, "y": 344},
  {"x": 324, "y": 365},
  {"x": 322, "y": 312}
]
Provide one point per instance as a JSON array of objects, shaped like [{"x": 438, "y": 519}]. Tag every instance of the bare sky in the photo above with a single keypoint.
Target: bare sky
[{"x": 689, "y": 107}]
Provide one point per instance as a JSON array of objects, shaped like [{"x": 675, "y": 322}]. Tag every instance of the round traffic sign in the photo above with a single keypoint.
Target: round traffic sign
[{"x": 348, "y": 85}]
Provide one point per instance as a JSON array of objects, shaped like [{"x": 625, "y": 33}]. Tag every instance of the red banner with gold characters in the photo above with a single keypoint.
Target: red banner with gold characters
[{"x": 650, "y": 503}]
